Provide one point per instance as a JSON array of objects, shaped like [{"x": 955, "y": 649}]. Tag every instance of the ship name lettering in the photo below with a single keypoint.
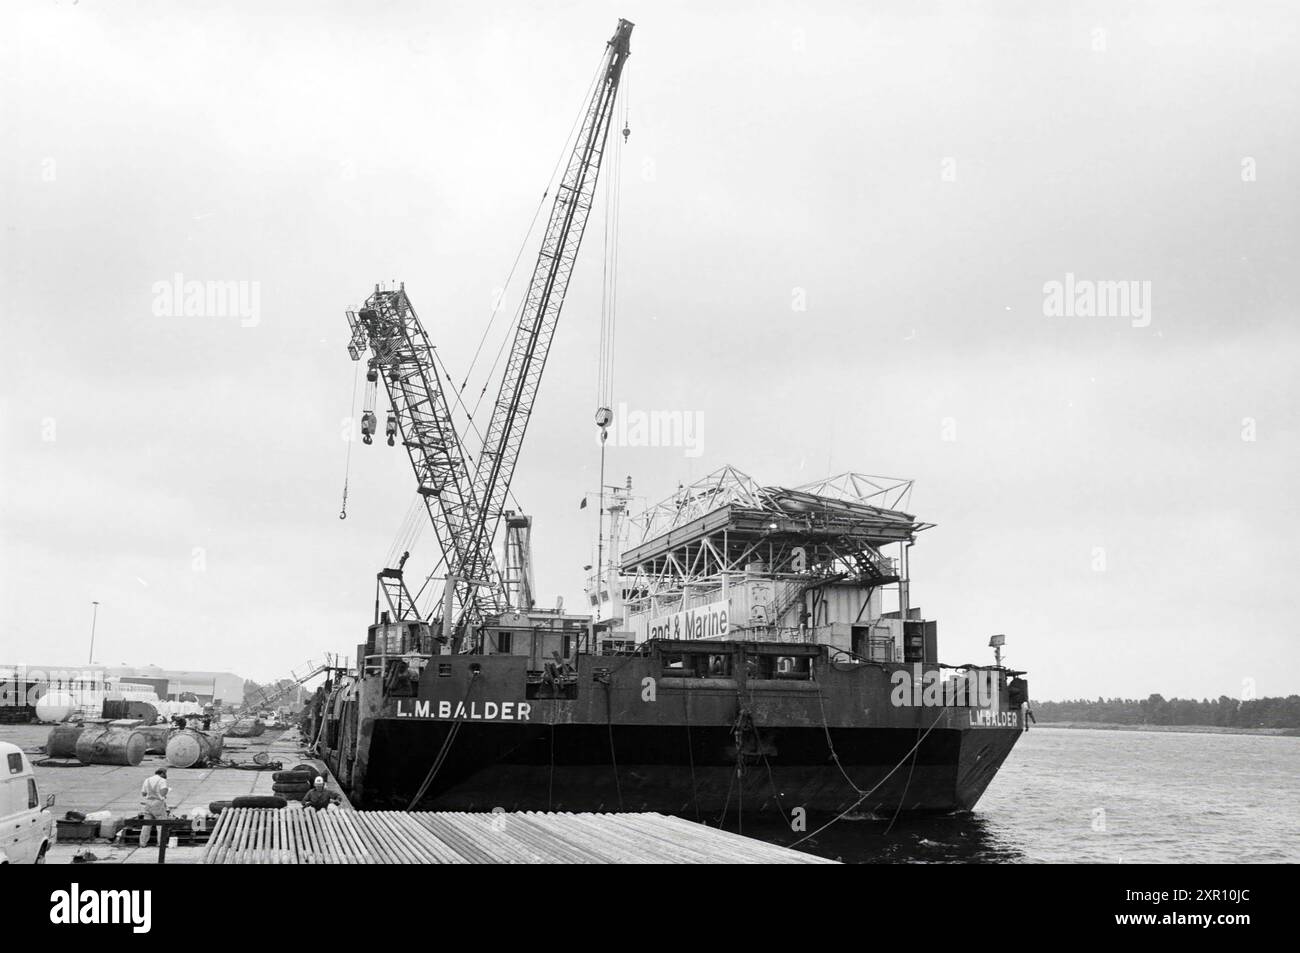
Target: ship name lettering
[{"x": 462, "y": 711}]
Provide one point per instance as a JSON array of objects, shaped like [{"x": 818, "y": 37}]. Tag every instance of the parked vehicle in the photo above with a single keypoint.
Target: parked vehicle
[{"x": 26, "y": 825}]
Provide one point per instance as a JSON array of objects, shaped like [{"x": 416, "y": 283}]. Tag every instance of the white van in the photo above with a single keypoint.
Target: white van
[{"x": 26, "y": 825}]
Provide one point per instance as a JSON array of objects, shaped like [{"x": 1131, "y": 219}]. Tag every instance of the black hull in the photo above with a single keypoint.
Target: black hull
[{"x": 673, "y": 769}]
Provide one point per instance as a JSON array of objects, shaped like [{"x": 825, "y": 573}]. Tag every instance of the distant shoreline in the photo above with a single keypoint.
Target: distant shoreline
[{"x": 1186, "y": 729}]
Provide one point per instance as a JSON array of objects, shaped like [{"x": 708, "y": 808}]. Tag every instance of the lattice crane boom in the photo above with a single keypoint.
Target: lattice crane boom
[
  {"x": 402, "y": 354},
  {"x": 465, "y": 506},
  {"x": 496, "y": 463}
]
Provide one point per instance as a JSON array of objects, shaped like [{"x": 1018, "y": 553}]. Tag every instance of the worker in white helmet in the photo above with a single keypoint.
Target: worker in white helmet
[{"x": 318, "y": 799}]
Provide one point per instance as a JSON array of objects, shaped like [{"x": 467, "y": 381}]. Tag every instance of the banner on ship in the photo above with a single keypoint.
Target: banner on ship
[{"x": 702, "y": 622}]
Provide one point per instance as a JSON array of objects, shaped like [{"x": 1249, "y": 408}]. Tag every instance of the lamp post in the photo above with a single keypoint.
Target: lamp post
[{"x": 94, "y": 617}]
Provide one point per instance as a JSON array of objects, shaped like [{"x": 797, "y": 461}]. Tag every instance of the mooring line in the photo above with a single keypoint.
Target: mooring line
[{"x": 851, "y": 808}]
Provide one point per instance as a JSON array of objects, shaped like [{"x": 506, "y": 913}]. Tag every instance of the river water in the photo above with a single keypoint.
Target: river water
[{"x": 1104, "y": 796}]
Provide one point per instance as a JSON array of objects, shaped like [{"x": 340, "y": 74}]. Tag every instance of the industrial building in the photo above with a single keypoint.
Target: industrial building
[{"x": 22, "y": 685}]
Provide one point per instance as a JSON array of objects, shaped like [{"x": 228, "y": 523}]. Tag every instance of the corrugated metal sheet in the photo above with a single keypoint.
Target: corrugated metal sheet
[{"x": 266, "y": 836}]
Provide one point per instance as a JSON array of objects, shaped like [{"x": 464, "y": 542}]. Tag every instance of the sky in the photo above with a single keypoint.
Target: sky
[{"x": 841, "y": 225}]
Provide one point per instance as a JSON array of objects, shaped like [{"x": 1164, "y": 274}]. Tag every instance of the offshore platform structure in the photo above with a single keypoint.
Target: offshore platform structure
[
  {"x": 465, "y": 498},
  {"x": 802, "y": 565}
]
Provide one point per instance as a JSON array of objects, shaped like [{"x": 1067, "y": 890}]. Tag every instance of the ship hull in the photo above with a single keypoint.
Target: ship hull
[
  {"x": 677, "y": 770},
  {"x": 629, "y": 734}
]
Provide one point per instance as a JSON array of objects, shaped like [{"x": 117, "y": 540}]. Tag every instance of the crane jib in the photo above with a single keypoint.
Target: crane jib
[
  {"x": 551, "y": 275},
  {"x": 466, "y": 508}
]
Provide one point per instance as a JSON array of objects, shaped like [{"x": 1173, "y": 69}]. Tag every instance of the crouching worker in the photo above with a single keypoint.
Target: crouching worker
[
  {"x": 154, "y": 794},
  {"x": 318, "y": 799}
]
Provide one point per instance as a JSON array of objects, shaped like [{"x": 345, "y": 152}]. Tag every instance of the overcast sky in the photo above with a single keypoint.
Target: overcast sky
[{"x": 838, "y": 224}]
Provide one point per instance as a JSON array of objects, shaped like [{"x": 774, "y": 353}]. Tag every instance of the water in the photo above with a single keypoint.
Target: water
[{"x": 1104, "y": 796}]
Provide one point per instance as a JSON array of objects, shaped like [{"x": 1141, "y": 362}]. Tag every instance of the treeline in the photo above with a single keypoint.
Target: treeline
[{"x": 1222, "y": 712}]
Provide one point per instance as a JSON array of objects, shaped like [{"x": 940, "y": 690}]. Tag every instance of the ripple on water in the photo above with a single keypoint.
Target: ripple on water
[{"x": 1101, "y": 796}]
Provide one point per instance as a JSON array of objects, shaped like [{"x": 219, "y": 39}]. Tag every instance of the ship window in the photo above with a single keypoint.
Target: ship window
[
  {"x": 793, "y": 666},
  {"x": 680, "y": 664},
  {"x": 503, "y": 643},
  {"x": 778, "y": 666},
  {"x": 567, "y": 643},
  {"x": 444, "y": 669},
  {"x": 714, "y": 666}
]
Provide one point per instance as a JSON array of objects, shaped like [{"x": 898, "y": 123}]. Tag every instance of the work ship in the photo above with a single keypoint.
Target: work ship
[
  {"x": 749, "y": 648},
  {"x": 744, "y": 648}
]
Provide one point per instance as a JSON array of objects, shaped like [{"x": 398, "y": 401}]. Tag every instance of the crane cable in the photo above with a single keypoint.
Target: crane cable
[
  {"x": 412, "y": 526},
  {"x": 565, "y": 149},
  {"x": 404, "y": 534},
  {"x": 609, "y": 275},
  {"x": 352, "y": 417},
  {"x": 608, "y": 325}
]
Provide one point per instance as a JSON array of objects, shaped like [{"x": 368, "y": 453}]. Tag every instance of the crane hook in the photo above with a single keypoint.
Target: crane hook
[
  {"x": 343, "y": 513},
  {"x": 627, "y": 130}
]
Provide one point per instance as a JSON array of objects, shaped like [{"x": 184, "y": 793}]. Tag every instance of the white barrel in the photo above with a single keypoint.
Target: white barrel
[{"x": 55, "y": 707}]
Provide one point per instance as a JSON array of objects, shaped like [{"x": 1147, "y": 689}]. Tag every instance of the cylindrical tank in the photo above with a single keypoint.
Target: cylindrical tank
[
  {"x": 122, "y": 746},
  {"x": 217, "y": 743},
  {"x": 155, "y": 737},
  {"x": 246, "y": 728},
  {"x": 145, "y": 711},
  {"x": 55, "y": 707},
  {"x": 190, "y": 748},
  {"x": 62, "y": 742}
]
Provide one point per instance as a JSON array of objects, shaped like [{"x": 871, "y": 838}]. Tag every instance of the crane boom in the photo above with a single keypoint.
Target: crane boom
[
  {"x": 466, "y": 507},
  {"x": 403, "y": 354},
  {"x": 495, "y": 466}
]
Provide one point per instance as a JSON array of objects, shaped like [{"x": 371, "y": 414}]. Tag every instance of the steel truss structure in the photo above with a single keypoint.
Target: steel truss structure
[
  {"x": 403, "y": 356},
  {"x": 727, "y": 526},
  {"x": 466, "y": 504},
  {"x": 550, "y": 282}
]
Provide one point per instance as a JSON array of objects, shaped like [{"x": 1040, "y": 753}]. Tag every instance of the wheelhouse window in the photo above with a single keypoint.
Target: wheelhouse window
[
  {"x": 780, "y": 667},
  {"x": 696, "y": 664}
]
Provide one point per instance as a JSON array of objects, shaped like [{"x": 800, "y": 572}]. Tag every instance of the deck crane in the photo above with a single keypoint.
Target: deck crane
[{"x": 466, "y": 506}]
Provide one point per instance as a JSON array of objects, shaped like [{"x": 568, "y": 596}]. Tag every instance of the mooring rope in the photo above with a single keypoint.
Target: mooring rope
[
  {"x": 443, "y": 751},
  {"x": 852, "y": 807}
]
